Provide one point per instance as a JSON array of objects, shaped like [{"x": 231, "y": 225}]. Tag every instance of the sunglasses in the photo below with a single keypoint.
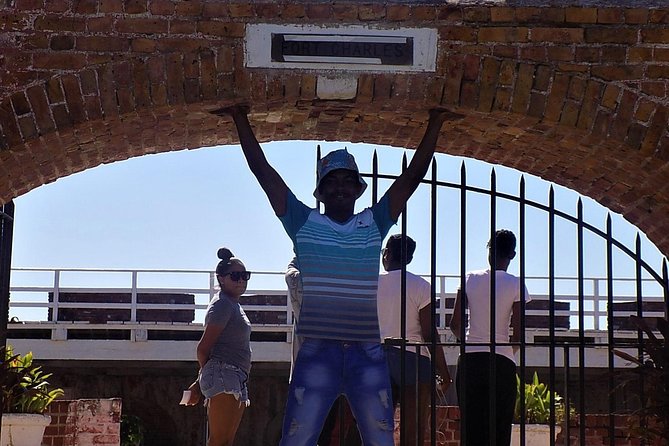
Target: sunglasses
[{"x": 239, "y": 275}]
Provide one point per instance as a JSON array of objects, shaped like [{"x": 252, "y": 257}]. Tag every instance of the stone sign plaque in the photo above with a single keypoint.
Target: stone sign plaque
[{"x": 341, "y": 48}]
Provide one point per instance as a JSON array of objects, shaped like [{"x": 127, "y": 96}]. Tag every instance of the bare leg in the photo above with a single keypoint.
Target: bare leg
[{"x": 225, "y": 413}]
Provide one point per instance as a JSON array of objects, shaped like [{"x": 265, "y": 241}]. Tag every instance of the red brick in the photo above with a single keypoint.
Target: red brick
[
  {"x": 636, "y": 16},
  {"x": 654, "y": 35},
  {"x": 397, "y": 13},
  {"x": 57, "y": 5},
  {"x": 107, "y": 91},
  {"x": 488, "y": 83},
  {"x": 639, "y": 54},
  {"x": 29, "y": 5},
  {"x": 110, "y": 6},
  {"x": 183, "y": 27},
  {"x": 611, "y": 95},
  {"x": 522, "y": 88},
  {"x": 100, "y": 24},
  {"x": 142, "y": 26},
  {"x": 618, "y": 73},
  {"x": 449, "y": 14},
  {"x": 221, "y": 29},
  {"x": 162, "y": 7},
  {"x": 318, "y": 11},
  {"x": 502, "y": 14},
  {"x": 540, "y": 15},
  {"x": 135, "y": 6},
  {"x": 476, "y": 14},
  {"x": 534, "y": 53},
  {"x": 560, "y": 53},
  {"x": 75, "y": 102},
  {"x": 102, "y": 44},
  {"x": 645, "y": 110},
  {"x": 610, "y": 15},
  {"x": 659, "y": 16},
  {"x": 60, "y": 23},
  {"x": 293, "y": 11},
  {"x": 220, "y": 11},
  {"x": 240, "y": 10},
  {"x": 587, "y": 54},
  {"x": 614, "y": 54},
  {"x": 581, "y": 15},
  {"x": 611, "y": 35},
  {"x": 268, "y": 11},
  {"x": 424, "y": 13},
  {"x": 367, "y": 12},
  {"x": 458, "y": 33},
  {"x": 591, "y": 100},
  {"x": 556, "y": 97},
  {"x": 191, "y": 8},
  {"x": 503, "y": 34},
  {"x": 542, "y": 78},
  {"x": 558, "y": 35},
  {"x": 657, "y": 71}
]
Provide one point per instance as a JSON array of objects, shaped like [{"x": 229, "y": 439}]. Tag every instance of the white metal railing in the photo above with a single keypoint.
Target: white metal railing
[{"x": 36, "y": 291}]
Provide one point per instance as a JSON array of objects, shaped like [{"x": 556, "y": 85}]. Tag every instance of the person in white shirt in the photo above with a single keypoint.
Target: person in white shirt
[
  {"x": 419, "y": 329},
  {"x": 474, "y": 367}
]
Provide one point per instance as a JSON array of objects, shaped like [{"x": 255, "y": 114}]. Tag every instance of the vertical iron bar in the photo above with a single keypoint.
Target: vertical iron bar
[
  {"x": 436, "y": 343},
  {"x": 318, "y": 158},
  {"x": 609, "y": 328},
  {"x": 581, "y": 325},
  {"x": 492, "y": 419},
  {"x": 375, "y": 177},
  {"x": 639, "y": 309},
  {"x": 6, "y": 239},
  {"x": 463, "y": 257},
  {"x": 521, "y": 250},
  {"x": 551, "y": 294},
  {"x": 403, "y": 317},
  {"x": 665, "y": 285},
  {"x": 567, "y": 395}
]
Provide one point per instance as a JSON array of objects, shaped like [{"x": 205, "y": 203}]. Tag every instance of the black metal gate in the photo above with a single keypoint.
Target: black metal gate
[{"x": 568, "y": 351}]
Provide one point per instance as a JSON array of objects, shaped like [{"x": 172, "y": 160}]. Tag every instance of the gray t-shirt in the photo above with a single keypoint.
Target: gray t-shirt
[{"x": 233, "y": 345}]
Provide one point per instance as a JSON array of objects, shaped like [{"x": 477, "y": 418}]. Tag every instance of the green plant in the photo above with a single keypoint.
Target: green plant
[
  {"x": 25, "y": 388},
  {"x": 537, "y": 402},
  {"x": 132, "y": 431},
  {"x": 651, "y": 422}
]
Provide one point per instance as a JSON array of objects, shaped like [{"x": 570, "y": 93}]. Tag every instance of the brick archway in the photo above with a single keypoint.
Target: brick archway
[{"x": 573, "y": 94}]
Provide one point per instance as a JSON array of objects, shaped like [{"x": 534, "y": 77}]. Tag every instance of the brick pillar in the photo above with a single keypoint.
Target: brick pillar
[{"x": 84, "y": 423}]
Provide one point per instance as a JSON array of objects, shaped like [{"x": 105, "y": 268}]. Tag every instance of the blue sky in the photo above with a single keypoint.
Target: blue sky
[{"x": 173, "y": 210}]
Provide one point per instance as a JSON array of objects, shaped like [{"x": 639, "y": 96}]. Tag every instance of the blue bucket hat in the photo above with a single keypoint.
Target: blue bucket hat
[{"x": 337, "y": 159}]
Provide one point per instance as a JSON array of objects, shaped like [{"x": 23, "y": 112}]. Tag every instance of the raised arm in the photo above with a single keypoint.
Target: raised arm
[
  {"x": 270, "y": 180},
  {"x": 406, "y": 184}
]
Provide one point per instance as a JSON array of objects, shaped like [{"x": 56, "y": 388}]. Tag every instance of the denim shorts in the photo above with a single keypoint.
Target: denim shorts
[{"x": 218, "y": 377}]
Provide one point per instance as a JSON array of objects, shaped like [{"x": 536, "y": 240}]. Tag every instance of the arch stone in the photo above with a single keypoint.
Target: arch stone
[{"x": 574, "y": 92}]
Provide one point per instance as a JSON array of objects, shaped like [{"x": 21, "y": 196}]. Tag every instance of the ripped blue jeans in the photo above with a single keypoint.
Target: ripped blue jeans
[{"x": 325, "y": 369}]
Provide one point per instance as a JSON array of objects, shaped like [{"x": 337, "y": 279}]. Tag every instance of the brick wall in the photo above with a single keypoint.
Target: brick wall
[
  {"x": 574, "y": 94},
  {"x": 84, "y": 423},
  {"x": 596, "y": 431}
]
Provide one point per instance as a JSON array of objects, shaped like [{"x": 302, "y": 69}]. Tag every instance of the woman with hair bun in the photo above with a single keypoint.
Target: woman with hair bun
[{"x": 224, "y": 353}]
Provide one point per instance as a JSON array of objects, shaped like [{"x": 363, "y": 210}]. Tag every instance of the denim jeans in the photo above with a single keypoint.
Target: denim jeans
[{"x": 324, "y": 369}]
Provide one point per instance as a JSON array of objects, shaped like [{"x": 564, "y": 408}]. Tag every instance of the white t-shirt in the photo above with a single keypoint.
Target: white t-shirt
[
  {"x": 389, "y": 308},
  {"x": 507, "y": 292}
]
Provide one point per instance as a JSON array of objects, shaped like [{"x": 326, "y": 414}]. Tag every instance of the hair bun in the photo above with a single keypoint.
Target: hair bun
[{"x": 225, "y": 254}]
